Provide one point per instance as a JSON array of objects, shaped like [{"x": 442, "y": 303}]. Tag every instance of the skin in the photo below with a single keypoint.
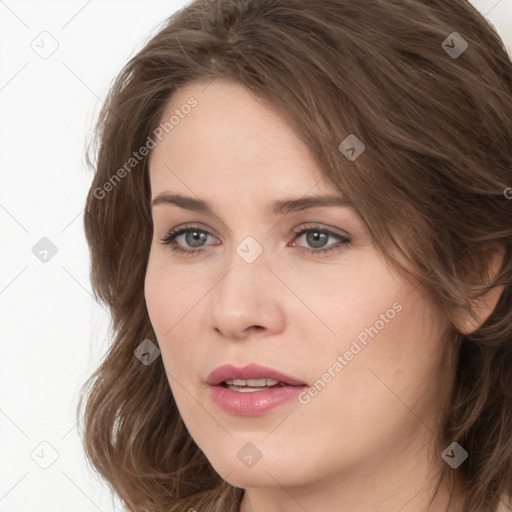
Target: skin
[{"x": 365, "y": 442}]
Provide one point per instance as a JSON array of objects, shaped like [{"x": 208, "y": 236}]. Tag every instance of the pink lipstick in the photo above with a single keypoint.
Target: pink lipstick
[{"x": 251, "y": 390}]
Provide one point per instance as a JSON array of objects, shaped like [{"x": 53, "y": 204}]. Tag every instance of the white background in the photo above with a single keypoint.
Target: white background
[{"x": 53, "y": 334}]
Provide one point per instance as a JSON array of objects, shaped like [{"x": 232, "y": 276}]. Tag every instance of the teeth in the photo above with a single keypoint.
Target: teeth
[
  {"x": 252, "y": 382},
  {"x": 243, "y": 389}
]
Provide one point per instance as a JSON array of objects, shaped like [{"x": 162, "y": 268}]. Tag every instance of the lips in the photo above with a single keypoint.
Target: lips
[
  {"x": 250, "y": 372},
  {"x": 251, "y": 390}
]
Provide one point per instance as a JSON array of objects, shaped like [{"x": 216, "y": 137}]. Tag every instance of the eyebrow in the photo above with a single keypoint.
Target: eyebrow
[{"x": 281, "y": 207}]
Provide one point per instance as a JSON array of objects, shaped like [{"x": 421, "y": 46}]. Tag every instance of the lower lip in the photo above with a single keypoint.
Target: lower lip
[{"x": 253, "y": 403}]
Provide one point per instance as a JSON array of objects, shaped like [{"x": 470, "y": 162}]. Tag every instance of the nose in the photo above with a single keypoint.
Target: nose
[{"x": 247, "y": 301}]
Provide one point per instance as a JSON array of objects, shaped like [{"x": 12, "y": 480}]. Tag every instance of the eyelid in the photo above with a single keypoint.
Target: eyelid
[
  {"x": 183, "y": 228},
  {"x": 321, "y": 227},
  {"x": 193, "y": 225}
]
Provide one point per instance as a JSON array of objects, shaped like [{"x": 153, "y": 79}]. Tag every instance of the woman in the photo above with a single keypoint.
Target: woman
[{"x": 300, "y": 220}]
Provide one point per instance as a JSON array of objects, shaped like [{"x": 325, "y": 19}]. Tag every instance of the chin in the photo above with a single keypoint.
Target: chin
[
  {"x": 236, "y": 467},
  {"x": 247, "y": 478}
]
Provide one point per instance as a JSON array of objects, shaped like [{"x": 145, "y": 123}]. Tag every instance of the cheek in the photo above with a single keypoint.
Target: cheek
[
  {"x": 382, "y": 387},
  {"x": 383, "y": 327},
  {"x": 173, "y": 312},
  {"x": 157, "y": 300},
  {"x": 400, "y": 360},
  {"x": 165, "y": 292},
  {"x": 355, "y": 301}
]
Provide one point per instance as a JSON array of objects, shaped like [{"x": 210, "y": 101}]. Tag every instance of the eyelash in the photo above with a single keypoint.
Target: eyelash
[{"x": 170, "y": 239}]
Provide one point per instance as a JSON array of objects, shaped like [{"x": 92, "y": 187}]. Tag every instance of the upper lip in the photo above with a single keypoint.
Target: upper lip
[{"x": 250, "y": 371}]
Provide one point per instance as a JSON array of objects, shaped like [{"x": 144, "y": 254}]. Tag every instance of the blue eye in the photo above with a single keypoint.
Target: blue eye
[
  {"x": 195, "y": 239},
  {"x": 194, "y": 236},
  {"x": 318, "y": 239}
]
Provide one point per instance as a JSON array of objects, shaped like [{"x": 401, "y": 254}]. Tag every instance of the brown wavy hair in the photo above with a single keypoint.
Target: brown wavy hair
[{"x": 432, "y": 186}]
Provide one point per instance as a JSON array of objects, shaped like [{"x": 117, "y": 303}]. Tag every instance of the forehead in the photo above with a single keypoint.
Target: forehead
[{"x": 231, "y": 140}]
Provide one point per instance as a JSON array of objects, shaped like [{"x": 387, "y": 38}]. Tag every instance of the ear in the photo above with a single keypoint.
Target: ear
[{"x": 481, "y": 308}]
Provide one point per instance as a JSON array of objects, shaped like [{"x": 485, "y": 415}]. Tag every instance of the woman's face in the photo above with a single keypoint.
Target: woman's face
[{"x": 297, "y": 288}]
